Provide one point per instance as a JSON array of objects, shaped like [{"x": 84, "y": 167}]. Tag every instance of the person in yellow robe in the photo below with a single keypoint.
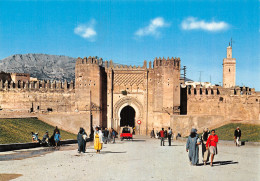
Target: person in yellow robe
[{"x": 98, "y": 142}]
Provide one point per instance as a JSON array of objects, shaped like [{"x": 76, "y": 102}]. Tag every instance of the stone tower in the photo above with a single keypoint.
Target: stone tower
[
  {"x": 229, "y": 70},
  {"x": 166, "y": 95},
  {"x": 88, "y": 88}
]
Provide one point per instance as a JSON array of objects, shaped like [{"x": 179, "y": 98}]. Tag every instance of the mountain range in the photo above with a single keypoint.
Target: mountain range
[{"x": 41, "y": 66}]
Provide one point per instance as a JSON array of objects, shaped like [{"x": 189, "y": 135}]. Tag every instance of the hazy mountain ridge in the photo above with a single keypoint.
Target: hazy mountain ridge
[{"x": 42, "y": 66}]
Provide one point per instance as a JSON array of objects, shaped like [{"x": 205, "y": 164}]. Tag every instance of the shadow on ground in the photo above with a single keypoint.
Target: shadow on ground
[
  {"x": 138, "y": 140},
  {"x": 105, "y": 152},
  {"x": 220, "y": 163}
]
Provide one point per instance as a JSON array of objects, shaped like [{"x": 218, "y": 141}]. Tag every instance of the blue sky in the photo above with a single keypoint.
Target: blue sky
[{"x": 129, "y": 32}]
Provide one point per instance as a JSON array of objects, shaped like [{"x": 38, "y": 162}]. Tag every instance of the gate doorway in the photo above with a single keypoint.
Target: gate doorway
[{"x": 127, "y": 117}]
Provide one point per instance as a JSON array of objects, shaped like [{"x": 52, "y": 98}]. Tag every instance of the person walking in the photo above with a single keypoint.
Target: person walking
[
  {"x": 152, "y": 134},
  {"x": 98, "y": 140},
  {"x": 162, "y": 136},
  {"x": 169, "y": 136},
  {"x": 237, "y": 136},
  {"x": 57, "y": 138},
  {"x": 205, "y": 152},
  {"x": 85, "y": 137},
  {"x": 212, "y": 145},
  {"x": 114, "y": 135},
  {"x": 106, "y": 133},
  {"x": 80, "y": 141},
  {"x": 192, "y": 146},
  {"x": 157, "y": 136}
]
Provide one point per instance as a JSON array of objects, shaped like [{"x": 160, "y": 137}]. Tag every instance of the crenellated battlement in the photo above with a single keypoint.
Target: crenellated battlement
[
  {"x": 89, "y": 60},
  {"x": 114, "y": 66},
  {"x": 36, "y": 85},
  {"x": 217, "y": 90},
  {"x": 169, "y": 62},
  {"x": 158, "y": 62}
]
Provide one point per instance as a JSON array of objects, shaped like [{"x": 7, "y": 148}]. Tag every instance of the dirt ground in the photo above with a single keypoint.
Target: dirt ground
[{"x": 141, "y": 159}]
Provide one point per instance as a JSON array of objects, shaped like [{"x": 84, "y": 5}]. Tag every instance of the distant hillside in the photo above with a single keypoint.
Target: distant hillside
[{"x": 42, "y": 66}]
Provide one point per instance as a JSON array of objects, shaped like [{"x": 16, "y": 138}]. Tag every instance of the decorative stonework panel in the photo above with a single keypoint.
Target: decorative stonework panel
[{"x": 124, "y": 79}]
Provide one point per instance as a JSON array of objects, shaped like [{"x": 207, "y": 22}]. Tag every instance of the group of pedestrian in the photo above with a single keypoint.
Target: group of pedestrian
[
  {"x": 101, "y": 136},
  {"x": 209, "y": 146},
  {"x": 108, "y": 135},
  {"x": 46, "y": 140},
  {"x": 164, "y": 134}
]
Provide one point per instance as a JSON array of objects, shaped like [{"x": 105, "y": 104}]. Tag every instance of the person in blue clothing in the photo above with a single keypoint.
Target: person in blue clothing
[
  {"x": 192, "y": 147},
  {"x": 114, "y": 135},
  {"x": 57, "y": 138}
]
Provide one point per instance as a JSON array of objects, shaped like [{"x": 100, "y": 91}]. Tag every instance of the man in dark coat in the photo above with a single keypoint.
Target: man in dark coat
[
  {"x": 169, "y": 136},
  {"x": 237, "y": 136},
  {"x": 105, "y": 133}
]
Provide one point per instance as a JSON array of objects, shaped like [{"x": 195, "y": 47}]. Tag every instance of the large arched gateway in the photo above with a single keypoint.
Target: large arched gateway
[
  {"x": 127, "y": 111},
  {"x": 127, "y": 117}
]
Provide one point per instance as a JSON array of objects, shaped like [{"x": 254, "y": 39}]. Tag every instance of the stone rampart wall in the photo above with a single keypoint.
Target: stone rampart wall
[{"x": 233, "y": 104}]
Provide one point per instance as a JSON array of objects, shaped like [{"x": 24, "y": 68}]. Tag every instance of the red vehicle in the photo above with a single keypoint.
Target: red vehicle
[{"x": 126, "y": 134}]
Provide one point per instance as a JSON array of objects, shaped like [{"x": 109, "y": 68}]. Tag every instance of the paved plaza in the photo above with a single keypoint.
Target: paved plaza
[{"x": 141, "y": 159}]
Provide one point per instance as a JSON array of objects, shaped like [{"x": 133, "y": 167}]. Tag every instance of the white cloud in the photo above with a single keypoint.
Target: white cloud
[
  {"x": 153, "y": 28},
  {"x": 86, "y": 31},
  {"x": 192, "y": 23}
]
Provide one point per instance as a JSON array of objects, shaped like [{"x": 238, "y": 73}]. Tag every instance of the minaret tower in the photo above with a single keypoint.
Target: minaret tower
[{"x": 229, "y": 69}]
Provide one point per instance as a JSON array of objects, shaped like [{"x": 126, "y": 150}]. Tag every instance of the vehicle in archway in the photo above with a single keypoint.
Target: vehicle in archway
[{"x": 126, "y": 134}]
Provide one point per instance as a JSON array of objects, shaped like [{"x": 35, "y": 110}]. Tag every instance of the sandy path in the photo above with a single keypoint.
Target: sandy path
[{"x": 142, "y": 159}]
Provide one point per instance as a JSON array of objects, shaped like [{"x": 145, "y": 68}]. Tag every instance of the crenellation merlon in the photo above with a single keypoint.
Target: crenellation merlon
[
  {"x": 36, "y": 85},
  {"x": 215, "y": 91},
  {"x": 170, "y": 62}
]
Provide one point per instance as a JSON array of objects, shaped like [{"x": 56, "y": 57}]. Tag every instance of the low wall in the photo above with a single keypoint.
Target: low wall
[
  {"x": 18, "y": 146},
  {"x": 182, "y": 123}
]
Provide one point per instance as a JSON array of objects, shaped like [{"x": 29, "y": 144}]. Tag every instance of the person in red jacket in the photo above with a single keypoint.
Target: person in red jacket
[
  {"x": 212, "y": 145},
  {"x": 162, "y": 136}
]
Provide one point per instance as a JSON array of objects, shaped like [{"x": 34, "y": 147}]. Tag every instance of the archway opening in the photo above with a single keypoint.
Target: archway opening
[{"x": 127, "y": 117}]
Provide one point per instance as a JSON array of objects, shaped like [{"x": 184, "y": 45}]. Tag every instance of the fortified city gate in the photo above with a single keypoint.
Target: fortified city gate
[{"x": 115, "y": 95}]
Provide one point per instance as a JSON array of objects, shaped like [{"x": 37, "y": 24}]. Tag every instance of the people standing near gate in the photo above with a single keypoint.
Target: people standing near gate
[
  {"x": 205, "y": 152},
  {"x": 192, "y": 146},
  {"x": 106, "y": 133},
  {"x": 237, "y": 136},
  {"x": 98, "y": 140},
  {"x": 114, "y": 135},
  {"x": 134, "y": 130},
  {"x": 212, "y": 145},
  {"x": 162, "y": 136},
  {"x": 165, "y": 133},
  {"x": 169, "y": 136},
  {"x": 152, "y": 134},
  {"x": 157, "y": 135}
]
